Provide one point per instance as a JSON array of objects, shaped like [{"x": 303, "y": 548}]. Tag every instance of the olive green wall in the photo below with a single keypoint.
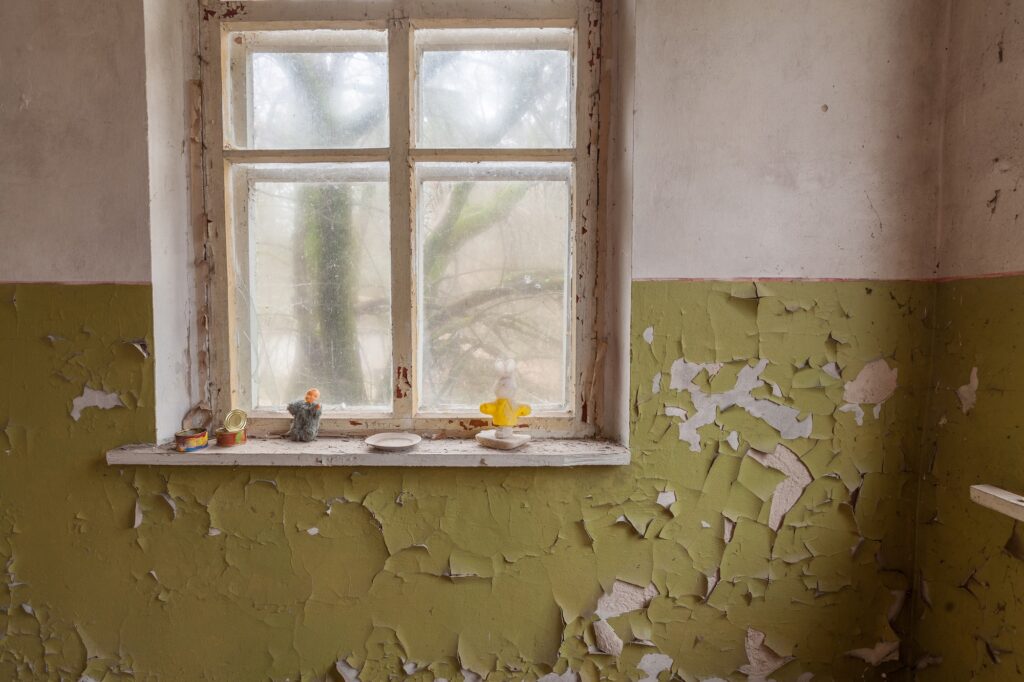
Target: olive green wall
[
  {"x": 281, "y": 574},
  {"x": 827, "y": 586},
  {"x": 971, "y": 584}
]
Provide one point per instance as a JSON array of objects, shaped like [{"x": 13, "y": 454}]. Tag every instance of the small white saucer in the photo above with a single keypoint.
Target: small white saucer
[{"x": 393, "y": 441}]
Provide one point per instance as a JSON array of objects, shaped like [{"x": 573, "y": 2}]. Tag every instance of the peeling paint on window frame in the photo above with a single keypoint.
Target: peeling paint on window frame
[{"x": 217, "y": 363}]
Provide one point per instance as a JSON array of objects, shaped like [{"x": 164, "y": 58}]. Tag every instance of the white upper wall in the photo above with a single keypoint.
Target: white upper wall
[
  {"x": 73, "y": 168},
  {"x": 170, "y": 63},
  {"x": 981, "y": 230},
  {"x": 739, "y": 169}
]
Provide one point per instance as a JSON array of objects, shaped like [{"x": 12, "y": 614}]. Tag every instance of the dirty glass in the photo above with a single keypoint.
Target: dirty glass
[
  {"x": 494, "y": 88},
  {"x": 313, "y": 275},
  {"x": 493, "y": 257},
  {"x": 310, "y": 89}
]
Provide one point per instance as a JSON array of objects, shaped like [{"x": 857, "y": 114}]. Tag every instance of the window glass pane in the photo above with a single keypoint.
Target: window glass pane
[
  {"x": 313, "y": 276},
  {"x": 493, "y": 256},
  {"x": 309, "y": 89},
  {"x": 494, "y": 87}
]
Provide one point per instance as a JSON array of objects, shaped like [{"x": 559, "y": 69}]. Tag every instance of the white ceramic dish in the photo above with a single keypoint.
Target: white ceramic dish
[{"x": 393, "y": 441}]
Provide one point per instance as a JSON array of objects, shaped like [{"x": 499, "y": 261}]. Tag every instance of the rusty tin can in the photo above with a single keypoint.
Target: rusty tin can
[
  {"x": 190, "y": 440},
  {"x": 226, "y": 439}
]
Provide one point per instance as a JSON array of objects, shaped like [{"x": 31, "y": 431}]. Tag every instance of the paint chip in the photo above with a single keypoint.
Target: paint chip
[
  {"x": 623, "y": 598},
  {"x": 347, "y": 672},
  {"x": 874, "y": 384},
  {"x": 878, "y": 654},
  {"x": 652, "y": 664},
  {"x": 786, "y": 494},
  {"x": 762, "y": 660},
  {"x": 858, "y": 412},
  {"x": 785, "y": 420},
  {"x": 606, "y": 638},
  {"x": 666, "y": 498},
  {"x": 92, "y": 398},
  {"x": 968, "y": 393}
]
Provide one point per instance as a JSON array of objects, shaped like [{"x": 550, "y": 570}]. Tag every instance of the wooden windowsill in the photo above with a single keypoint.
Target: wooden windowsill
[
  {"x": 997, "y": 499},
  {"x": 353, "y": 452}
]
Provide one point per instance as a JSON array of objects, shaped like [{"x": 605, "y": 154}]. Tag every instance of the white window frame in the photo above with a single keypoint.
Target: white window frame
[{"x": 218, "y": 366}]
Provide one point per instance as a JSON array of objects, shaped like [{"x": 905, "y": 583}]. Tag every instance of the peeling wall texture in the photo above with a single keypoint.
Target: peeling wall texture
[
  {"x": 970, "y": 587},
  {"x": 797, "y": 505},
  {"x": 780, "y": 548},
  {"x": 793, "y": 510},
  {"x": 971, "y": 560}
]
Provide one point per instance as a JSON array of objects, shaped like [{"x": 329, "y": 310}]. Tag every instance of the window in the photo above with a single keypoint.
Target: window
[{"x": 397, "y": 203}]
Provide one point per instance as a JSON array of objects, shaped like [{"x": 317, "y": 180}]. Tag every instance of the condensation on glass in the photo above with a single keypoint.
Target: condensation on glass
[
  {"x": 494, "y": 88},
  {"x": 312, "y": 273},
  {"x": 493, "y": 262},
  {"x": 307, "y": 89}
]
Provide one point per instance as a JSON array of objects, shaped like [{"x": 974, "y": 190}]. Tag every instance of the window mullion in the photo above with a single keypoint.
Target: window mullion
[{"x": 400, "y": 69}]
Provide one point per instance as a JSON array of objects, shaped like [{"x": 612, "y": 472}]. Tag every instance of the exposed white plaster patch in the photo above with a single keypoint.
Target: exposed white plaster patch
[
  {"x": 675, "y": 412},
  {"x": 652, "y": 664},
  {"x": 712, "y": 580},
  {"x": 858, "y": 412},
  {"x": 831, "y": 369},
  {"x": 878, "y": 654},
  {"x": 783, "y": 419},
  {"x": 347, "y": 672},
  {"x": 623, "y": 598},
  {"x": 733, "y": 440},
  {"x": 568, "y": 676},
  {"x": 899, "y": 599},
  {"x": 649, "y": 335},
  {"x": 762, "y": 660},
  {"x": 656, "y": 384},
  {"x": 606, "y": 638},
  {"x": 728, "y": 529},
  {"x": 667, "y": 498},
  {"x": 92, "y": 398},
  {"x": 874, "y": 384},
  {"x": 786, "y": 494},
  {"x": 968, "y": 393}
]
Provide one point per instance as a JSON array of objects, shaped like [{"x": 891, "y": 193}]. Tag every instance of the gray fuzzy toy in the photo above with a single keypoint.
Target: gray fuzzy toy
[{"x": 305, "y": 422}]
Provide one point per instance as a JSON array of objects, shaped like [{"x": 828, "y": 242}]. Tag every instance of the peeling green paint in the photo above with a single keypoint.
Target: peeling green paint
[
  {"x": 829, "y": 582},
  {"x": 970, "y": 606},
  {"x": 777, "y": 565}
]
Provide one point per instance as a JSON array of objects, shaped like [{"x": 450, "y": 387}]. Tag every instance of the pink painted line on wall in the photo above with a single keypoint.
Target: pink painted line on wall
[
  {"x": 74, "y": 283},
  {"x": 754, "y": 278}
]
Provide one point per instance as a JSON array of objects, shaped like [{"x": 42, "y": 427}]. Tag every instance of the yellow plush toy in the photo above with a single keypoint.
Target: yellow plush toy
[{"x": 504, "y": 410}]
